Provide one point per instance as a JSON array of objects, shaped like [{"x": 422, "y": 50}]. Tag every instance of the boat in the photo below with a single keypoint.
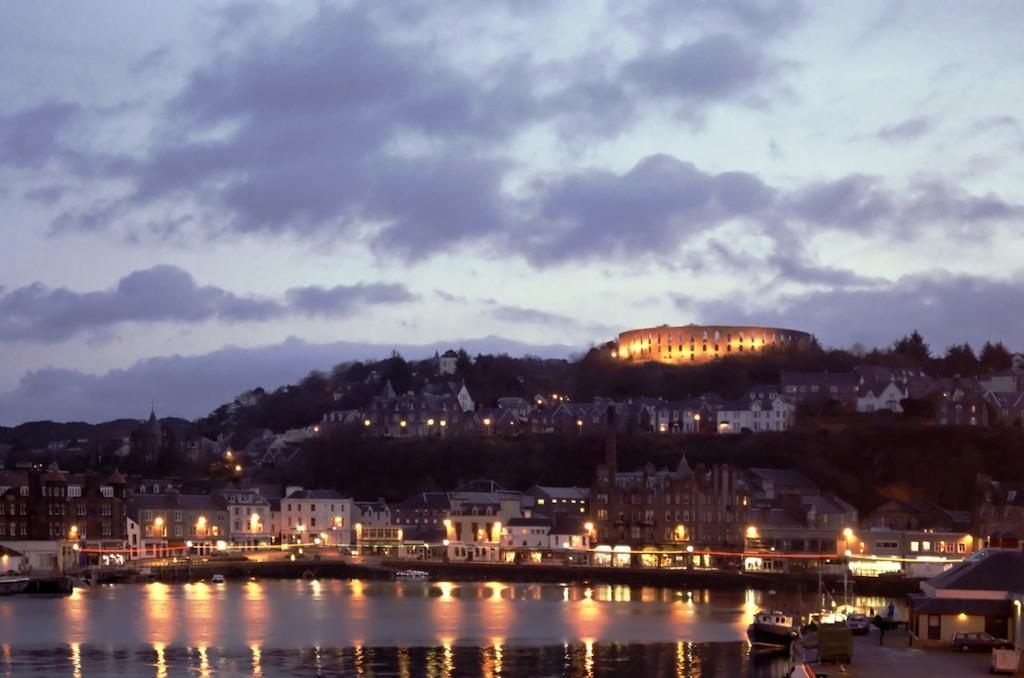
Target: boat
[
  {"x": 217, "y": 579},
  {"x": 412, "y": 575},
  {"x": 771, "y": 630},
  {"x": 12, "y": 585}
]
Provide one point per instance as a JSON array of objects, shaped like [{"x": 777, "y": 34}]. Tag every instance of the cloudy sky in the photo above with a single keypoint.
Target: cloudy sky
[{"x": 200, "y": 197}]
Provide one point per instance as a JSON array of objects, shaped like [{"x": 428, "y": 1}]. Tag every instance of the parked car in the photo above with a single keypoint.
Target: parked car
[
  {"x": 978, "y": 641},
  {"x": 858, "y": 624}
]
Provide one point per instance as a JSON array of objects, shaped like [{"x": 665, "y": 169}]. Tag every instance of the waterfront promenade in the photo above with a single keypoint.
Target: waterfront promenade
[
  {"x": 345, "y": 567},
  {"x": 895, "y": 658}
]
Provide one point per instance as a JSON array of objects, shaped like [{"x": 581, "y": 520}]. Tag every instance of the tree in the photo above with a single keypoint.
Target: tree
[
  {"x": 995, "y": 357},
  {"x": 464, "y": 363},
  {"x": 913, "y": 346},
  {"x": 397, "y": 371},
  {"x": 960, "y": 359}
]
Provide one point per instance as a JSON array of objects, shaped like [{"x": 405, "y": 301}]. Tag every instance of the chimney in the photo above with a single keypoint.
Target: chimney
[{"x": 611, "y": 453}]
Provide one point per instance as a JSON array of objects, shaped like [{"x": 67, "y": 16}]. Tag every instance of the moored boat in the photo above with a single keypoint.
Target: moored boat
[
  {"x": 771, "y": 630},
  {"x": 12, "y": 585},
  {"x": 412, "y": 575}
]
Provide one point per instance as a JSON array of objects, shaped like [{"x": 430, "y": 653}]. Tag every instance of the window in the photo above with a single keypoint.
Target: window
[{"x": 915, "y": 547}]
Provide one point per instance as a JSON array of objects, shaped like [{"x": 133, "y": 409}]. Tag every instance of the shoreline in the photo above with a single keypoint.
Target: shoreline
[{"x": 523, "y": 573}]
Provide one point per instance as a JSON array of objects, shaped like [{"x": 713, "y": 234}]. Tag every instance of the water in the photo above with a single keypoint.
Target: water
[{"x": 351, "y": 627}]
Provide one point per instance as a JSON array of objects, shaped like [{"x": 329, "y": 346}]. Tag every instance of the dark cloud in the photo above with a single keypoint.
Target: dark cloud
[
  {"x": 760, "y": 19},
  {"x": 339, "y": 131},
  {"x": 863, "y": 203},
  {"x": 659, "y": 207},
  {"x": 31, "y": 137},
  {"x": 650, "y": 209},
  {"x": 946, "y": 308},
  {"x": 534, "y": 316},
  {"x": 192, "y": 386},
  {"x": 713, "y": 68},
  {"x": 855, "y": 201},
  {"x": 342, "y": 300},
  {"x": 450, "y": 298},
  {"x": 169, "y": 294},
  {"x": 907, "y": 130},
  {"x": 316, "y": 118},
  {"x": 521, "y": 315}
]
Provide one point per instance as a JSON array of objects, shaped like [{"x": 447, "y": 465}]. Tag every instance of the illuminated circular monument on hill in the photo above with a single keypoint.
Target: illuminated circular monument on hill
[{"x": 689, "y": 344}]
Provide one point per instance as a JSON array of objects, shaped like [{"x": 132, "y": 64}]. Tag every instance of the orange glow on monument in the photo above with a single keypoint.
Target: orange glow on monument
[{"x": 691, "y": 344}]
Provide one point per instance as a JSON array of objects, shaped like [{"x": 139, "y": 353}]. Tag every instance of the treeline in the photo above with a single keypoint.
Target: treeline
[{"x": 863, "y": 465}]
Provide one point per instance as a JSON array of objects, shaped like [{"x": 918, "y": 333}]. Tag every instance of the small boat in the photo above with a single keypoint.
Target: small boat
[
  {"x": 218, "y": 579},
  {"x": 771, "y": 631},
  {"x": 12, "y": 585},
  {"x": 412, "y": 575}
]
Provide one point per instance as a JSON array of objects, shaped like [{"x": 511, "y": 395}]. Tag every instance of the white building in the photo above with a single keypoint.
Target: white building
[
  {"x": 478, "y": 512},
  {"x": 676, "y": 417},
  {"x": 307, "y": 515},
  {"x": 372, "y": 513},
  {"x": 881, "y": 396},
  {"x": 248, "y": 517},
  {"x": 759, "y": 410},
  {"x": 448, "y": 363}
]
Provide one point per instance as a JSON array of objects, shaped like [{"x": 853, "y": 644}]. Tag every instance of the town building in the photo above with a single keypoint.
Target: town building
[
  {"x": 983, "y": 593},
  {"x": 311, "y": 515},
  {"x": 762, "y": 409},
  {"x": 171, "y": 523},
  {"x": 83, "y": 513},
  {"x": 426, "y": 509},
  {"x": 248, "y": 516},
  {"x": 702, "y": 507},
  {"x": 880, "y": 397},
  {"x": 371, "y": 513},
  {"x": 478, "y": 512},
  {"x": 448, "y": 363},
  {"x": 821, "y": 387},
  {"x": 999, "y": 513},
  {"x": 895, "y": 514},
  {"x": 552, "y": 501}
]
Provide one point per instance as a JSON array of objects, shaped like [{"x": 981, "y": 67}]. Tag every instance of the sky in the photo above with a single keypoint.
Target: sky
[{"x": 197, "y": 198}]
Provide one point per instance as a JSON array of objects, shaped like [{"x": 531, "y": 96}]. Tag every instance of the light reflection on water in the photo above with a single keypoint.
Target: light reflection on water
[{"x": 265, "y": 628}]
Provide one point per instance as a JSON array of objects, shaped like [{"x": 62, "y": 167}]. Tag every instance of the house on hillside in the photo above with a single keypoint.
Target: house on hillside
[
  {"x": 448, "y": 363},
  {"x": 880, "y": 396},
  {"x": 820, "y": 387},
  {"x": 761, "y": 409},
  {"x": 916, "y": 515}
]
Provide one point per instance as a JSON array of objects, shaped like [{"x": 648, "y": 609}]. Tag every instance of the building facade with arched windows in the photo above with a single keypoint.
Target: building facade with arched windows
[{"x": 690, "y": 344}]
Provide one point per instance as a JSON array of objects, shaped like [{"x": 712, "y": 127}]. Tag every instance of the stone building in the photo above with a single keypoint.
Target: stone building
[
  {"x": 82, "y": 510},
  {"x": 701, "y": 507},
  {"x": 687, "y": 344}
]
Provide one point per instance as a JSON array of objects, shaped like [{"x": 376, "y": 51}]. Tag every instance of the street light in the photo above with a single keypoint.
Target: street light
[{"x": 366, "y": 423}]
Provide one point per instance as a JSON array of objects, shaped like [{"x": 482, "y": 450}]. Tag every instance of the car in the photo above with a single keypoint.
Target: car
[
  {"x": 978, "y": 640},
  {"x": 858, "y": 624},
  {"x": 217, "y": 579}
]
